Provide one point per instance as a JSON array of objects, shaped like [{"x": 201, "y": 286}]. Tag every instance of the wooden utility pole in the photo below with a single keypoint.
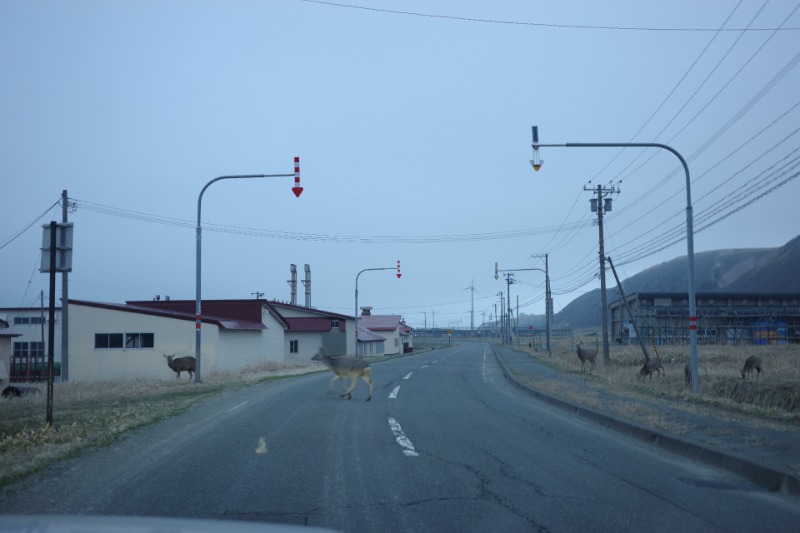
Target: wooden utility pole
[{"x": 599, "y": 206}]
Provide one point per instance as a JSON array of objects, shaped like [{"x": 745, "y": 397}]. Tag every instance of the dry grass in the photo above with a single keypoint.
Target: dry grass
[
  {"x": 775, "y": 396},
  {"x": 94, "y": 414}
]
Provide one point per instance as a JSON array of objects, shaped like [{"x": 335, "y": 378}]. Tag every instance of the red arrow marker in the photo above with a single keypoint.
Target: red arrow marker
[{"x": 297, "y": 189}]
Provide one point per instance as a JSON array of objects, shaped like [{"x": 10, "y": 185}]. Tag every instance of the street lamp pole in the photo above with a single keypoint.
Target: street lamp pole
[
  {"x": 297, "y": 189},
  {"x": 547, "y": 304},
  {"x": 537, "y": 163},
  {"x": 355, "y": 316}
]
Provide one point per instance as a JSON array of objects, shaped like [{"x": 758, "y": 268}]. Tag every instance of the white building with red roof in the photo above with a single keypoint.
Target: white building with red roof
[{"x": 390, "y": 327}]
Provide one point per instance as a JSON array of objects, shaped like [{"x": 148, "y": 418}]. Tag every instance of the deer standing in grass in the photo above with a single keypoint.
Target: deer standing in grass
[
  {"x": 752, "y": 363},
  {"x": 346, "y": 367},
  {"x": 587, "y": 355}
]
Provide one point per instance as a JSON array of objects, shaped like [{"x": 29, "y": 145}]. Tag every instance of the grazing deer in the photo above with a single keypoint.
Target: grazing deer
[
  {"x": 654, "y": 365},
  {"x": 586, "y": 355},
  {"x": 346, "y": 367},
  {"x": 751, "y": 363}
]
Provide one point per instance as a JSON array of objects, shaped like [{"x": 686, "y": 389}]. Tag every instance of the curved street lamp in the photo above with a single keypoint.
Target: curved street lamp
[
  {"x": 548, "y": 299},
  {"x": 537, "y": 164},
  {"x": 297, "y": 190},
  {"x": 355, "y": 348}
]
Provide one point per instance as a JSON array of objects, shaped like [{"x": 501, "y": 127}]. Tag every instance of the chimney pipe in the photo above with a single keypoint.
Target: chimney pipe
[
  {"x": 307, "y": 284},
  {"x": 293, "y": 284}
]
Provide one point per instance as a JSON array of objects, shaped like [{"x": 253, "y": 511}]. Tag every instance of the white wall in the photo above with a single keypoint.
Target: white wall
[
  {"x": 308, "y": 344},
  {"x": 170, "y": 336},
  {"x": 239, "y": 348},
  {"x": 392, "y": 344},
  {"x": 33, "y": 332}
]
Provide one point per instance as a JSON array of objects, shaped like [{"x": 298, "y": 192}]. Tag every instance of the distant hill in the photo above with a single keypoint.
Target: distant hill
[{"x": 771, "y": 270}]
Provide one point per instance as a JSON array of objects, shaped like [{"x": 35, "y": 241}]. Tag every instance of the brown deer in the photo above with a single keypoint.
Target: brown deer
[
  {"x": 586, "y": 355},
  {"x": 752, "y": 363},
  {"x": 654, "y": 365},
  {"x": 181, "y": 364},
  {"x": 346, "y": 367}
]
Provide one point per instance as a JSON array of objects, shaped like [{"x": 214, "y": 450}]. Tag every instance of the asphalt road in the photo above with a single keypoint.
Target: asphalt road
[{"x": 446, "y": 444}]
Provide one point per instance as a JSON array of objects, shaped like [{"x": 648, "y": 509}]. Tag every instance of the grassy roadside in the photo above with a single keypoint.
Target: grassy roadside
[
  {"x": 775, "y": 396},
  {"x": 95, "y": 414},
  {"x": 772, "y": 401}
]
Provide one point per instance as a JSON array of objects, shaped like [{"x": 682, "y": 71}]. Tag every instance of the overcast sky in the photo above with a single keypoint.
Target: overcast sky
[{"x": 412, "y": 120}]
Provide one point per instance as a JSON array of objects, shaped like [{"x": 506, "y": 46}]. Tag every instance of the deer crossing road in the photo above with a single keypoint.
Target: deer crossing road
[{"x": 446, "y": 444}]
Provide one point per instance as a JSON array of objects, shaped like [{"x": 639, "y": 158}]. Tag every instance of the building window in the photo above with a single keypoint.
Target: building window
[
  {"x": 29, "y": 349},
  {"x": 107, "y": 340},
  {"x": 22, "y": 320},
  {"x": 293, "y": 346},
  {"x": 334, "y": 324},
  {"x": 139, "y": 340}
]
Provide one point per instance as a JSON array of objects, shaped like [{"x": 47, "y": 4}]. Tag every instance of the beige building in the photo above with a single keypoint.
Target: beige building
[{"x": 113, "y": 341}]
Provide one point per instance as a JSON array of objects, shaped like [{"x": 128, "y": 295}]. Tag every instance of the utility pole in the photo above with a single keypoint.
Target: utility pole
[
  {"x": 64, "y": 301},
  {"x": 509, "y": 316},
  {"x": 257, "y": 294},
  {"x": 599, "y": 206},
  {"x": 548, "y": 302}
]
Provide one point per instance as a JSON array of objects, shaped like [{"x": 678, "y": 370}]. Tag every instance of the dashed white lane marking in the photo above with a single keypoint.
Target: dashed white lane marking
[
  {"x": 393, "y": 394},
  {"x": 235, "y": 407},
  {"x": 424, "y": 366},
  {"x": 407, "y": 375},
  {"x": 484, "y": 365},
  {"x": 402, "y": 440}
]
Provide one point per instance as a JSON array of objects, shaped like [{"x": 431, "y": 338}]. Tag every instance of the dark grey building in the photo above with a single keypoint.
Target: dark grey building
[{"x": 722, "y": 318}]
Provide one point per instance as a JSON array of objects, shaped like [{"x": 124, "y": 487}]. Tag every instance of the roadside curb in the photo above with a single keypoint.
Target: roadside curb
[{"x": 768, "y": 477}]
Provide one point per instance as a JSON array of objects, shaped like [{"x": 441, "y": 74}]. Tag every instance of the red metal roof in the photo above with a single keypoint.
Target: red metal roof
[
  {"x": 176, "y": 313},
  {"x": 380, "y": 322},
  {"x": 301, "y": 324}
]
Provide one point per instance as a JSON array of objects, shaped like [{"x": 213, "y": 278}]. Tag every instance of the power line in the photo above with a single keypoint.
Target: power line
[
  {"x": 255, "y": 232},
  {"x": 27, "y": 227},
  {"x": 535, "y": 24},
  {"x": 669, "y": 95}
]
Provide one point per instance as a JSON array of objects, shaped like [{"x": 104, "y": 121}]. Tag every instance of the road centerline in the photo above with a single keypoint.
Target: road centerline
[{"x": 402, "y": 440}]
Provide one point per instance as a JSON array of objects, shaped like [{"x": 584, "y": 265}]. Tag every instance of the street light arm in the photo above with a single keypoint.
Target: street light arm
[
  {"x": 198, "y": 258},
  {"x": 355, "y": 314},
  {"x": 207, "y": 185},
  {"x": 689, "y": 233}
]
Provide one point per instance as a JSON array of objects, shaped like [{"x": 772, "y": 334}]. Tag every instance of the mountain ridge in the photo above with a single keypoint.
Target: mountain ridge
[{"x": 748, "y": 270}]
